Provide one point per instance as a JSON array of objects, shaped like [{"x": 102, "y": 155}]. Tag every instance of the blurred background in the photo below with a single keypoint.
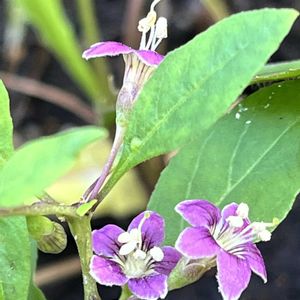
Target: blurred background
[{"x": 52, "y": 88}]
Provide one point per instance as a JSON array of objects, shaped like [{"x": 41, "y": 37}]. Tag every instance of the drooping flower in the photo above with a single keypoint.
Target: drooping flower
[
  {"x": 139, "y": 64},
  {"x": 134, "y": 257},
  {"x": 229, "y": 237}
]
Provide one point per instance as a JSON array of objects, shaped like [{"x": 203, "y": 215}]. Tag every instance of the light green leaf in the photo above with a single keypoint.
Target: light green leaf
[
  {"x": 15, "y": 255},
  {"x": 250, "y": 155},
  {"x": 6, "y": 126},
  {"x": 38, "y": 164},
  {"x": 15, "y": 270},
  {"x": 34, "y": 292},
  {"x": 49, "y": 19},
  {"x": 196, "y": 83}
]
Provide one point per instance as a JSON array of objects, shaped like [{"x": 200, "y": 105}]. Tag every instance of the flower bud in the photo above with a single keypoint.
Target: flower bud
[{"x": 50, "y": 236}]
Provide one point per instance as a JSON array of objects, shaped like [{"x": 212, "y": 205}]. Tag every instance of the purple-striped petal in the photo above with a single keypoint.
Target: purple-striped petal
[
  {"x": 199, "y": 212},
  {"x": 169, "y": 262},
  {"x": 149, "y": 287},
  {"x": 153, "y": 229},
  {"x": 256, "y": 262},
  {"x": 229, "y": 210},
  {"x": 233, "y": 275},
  {"x": 106, "y": 49},
  {"x": 150, "y": 58},
  {"x": 197, "y": 242},
  {"x": 105, "y": 240},
  {"x": 107, "y": 272}
]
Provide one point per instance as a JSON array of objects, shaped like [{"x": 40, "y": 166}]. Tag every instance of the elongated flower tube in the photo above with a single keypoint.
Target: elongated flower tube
[
  {"x": 227, "y": 236},
  {"x": 134, "y": 257},
  {"x": 139, "y": 66}
]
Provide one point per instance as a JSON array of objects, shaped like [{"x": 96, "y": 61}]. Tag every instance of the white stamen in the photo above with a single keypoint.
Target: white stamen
[
  {"x": 243, "y": 210},
  {"x": 139, "y": 254},
  {"x": 235, "y": 221},
  {"x": 157, "y": 254},
  {"x": 161, "y": 28},
  {"x": 127, "y": 248},
  {"x": 265, "y": 235},
  {"x": 124, "y": 238},
  {"x": 154, "y": 3}
]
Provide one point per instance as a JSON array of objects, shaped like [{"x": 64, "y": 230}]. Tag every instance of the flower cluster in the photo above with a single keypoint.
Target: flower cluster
[{"x": 226, "y": 238}]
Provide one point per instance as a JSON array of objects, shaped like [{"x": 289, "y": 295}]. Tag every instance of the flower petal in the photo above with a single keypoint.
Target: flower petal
[
  {"x": 233, "y": 275},
  {"x": 105, "y": 240},
  {"x": 106, "y": 272},
  {"x": 106, "y": 49},
  {"x": 199, "y": 212},
  {"x": 229, "y": 210},
  {"x": 150, "y": 58},
  {"x": 256, "y": 262},
  {"x": 149, "y": 287},
  {"x": 197, "y": 242},
  {"x": 153, "y": 229},
  {"x": 169, "y": 262}
]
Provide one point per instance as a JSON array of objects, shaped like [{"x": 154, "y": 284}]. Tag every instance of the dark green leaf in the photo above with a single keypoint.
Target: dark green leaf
[
  {"x": 196, "y": 83},
  {"x": 250, "y": 155},
  {"x": 38, "y": 164},
  {"x": 278, "y": 71}
]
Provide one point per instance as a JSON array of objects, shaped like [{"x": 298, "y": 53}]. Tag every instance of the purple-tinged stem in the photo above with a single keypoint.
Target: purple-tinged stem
[{"x": 94, "y": 189}]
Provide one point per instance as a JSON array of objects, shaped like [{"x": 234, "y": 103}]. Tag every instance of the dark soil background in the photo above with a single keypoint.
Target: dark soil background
[{"x": 34, "y": 118}]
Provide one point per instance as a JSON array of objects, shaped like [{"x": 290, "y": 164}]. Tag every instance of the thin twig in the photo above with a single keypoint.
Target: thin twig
[
  {"x": 50, "y": 94},
  {"x": 58, "y": 271},
  {"x": 218, "y": 9}
]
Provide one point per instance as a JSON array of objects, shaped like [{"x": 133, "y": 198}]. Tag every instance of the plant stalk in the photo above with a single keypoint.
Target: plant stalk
[
  {"x": 94, "y": 189},
  {"x": 81, "y": 230},
  {"x": 125, "y": 293}
]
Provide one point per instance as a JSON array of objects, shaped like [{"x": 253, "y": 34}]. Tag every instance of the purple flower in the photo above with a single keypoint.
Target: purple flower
[
  {"x": 139, "y": 64},
  {"x": 134, "y": 257},
  {"x": 227, "y": 236}
]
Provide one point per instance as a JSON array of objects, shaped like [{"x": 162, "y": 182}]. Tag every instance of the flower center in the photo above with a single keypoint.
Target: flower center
[
  {"x": 134, "y": 258},
  {"x": 231, "y": 234}
]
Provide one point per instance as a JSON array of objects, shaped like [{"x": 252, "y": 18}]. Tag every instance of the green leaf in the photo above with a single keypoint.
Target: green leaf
[
  {"x": 15, "y": 270},
  {"x": 6, "y": 126},
  {"x": 34, "y": 292},
  {"x": 196, "y": 83},
  {"x": 15, "y": 255},
  {"x": 278, "y": 71},
  {"x": 250, "y": 155},
  {"x": 40, "y": 163},
  {"x": 49, "y": 19},
  {"x": 85, "y": 208}
]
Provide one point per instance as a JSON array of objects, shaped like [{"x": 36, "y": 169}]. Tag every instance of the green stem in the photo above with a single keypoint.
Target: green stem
[
  {"x": 82, "y": 233},
  {"x": 125, "y": 293},
  {"x": 40, "y": 208},
  {"x": 187, "y": 272}
]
